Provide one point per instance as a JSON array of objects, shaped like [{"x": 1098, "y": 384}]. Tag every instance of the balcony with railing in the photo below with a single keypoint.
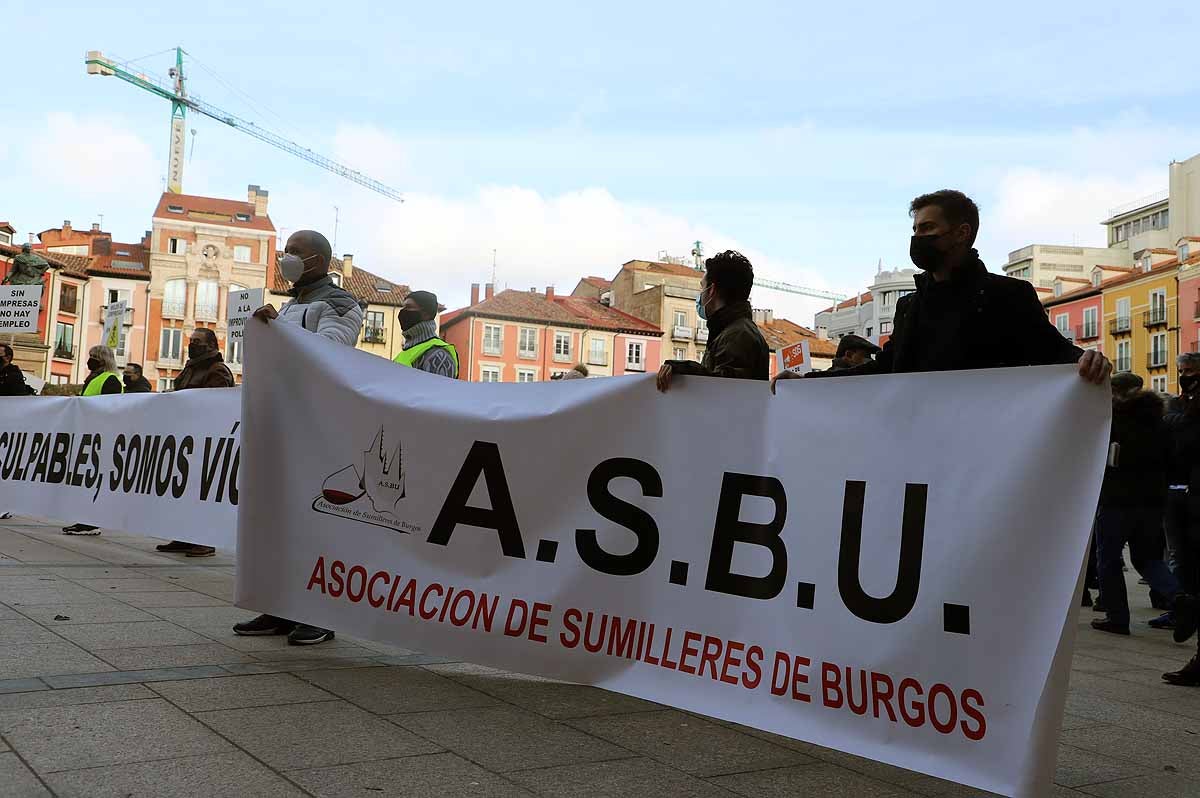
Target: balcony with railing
[
  {"x": 373, "y": 335},
  {"x": 206, "y": 311},
  {"x": 635, "y": 366},
  {"x": 1120, "y": 325},
  {"x": 1087, "y": 332},
  {"x": 173, "y": 309},
  {"x": 1157, "y": 360},
  {"x": 1155, "y": 317},
  {"x": 681, "y": 333},
  {"x": 701, "y": 335}
]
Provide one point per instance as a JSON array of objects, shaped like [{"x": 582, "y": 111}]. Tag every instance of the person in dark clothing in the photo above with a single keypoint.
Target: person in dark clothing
[
  {"x": 853, "y": 351},
  {"x": 736, "y": 347},
  {"x": 205, "y": 368},
  {"x": 961, "y": 316},
  {"x": 1132, "y": 499},
  {"x": 134, "y": 381},
  {"x": 12, "y": 381},
  {"x": 1183, "y": 508}
]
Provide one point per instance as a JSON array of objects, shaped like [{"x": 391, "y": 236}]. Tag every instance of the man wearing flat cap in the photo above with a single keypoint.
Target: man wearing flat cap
[
  {"x": 423, "y": 349},
  {"x": 853, "y": 350}
]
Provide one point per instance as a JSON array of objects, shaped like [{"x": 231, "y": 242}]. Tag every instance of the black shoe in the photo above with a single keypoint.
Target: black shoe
[
  {"x": 1164, "y": 621},
  {"x": 1187, "y": 616},
  {"x": 1105, "y": 625},
  {"x": 196, "y": 550},
  {"x": 1187, "y": 676},
  {"x": 305, "y": 635},
  {"x": 1159, "y": 602},
  {"x": 81, "y": 529},
  {"x": 265, "y": 625},
  {"x": 175, "y": 546},
  {"x": 1098, "y": 605},
  {"x": 1087, "y": 598}
]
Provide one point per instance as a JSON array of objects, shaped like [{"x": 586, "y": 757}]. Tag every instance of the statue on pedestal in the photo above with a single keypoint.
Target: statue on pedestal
[{"x": 27, "y": 268}]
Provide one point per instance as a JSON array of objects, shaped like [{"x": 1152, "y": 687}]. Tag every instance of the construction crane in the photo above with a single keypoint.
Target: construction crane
[
  {"x": 176, "y": 92},
  {"x": 774, "y": 285}
]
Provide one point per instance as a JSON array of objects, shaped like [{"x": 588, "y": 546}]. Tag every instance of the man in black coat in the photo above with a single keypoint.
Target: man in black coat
[
  {"x": 12, "y": 381},
  {"x": 134, "y": 381},
  {"x": 961, "y": 316}
]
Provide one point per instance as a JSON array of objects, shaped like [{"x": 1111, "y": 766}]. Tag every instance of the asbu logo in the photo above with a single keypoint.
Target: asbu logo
[{"x": 372, "y": 494}]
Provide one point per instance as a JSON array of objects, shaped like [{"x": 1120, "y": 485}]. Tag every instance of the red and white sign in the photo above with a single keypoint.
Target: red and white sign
[{"x": 795, "y": 358}]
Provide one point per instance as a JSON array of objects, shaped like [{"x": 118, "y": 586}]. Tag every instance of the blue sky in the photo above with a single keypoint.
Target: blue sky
[{"x": 572, "y": 137}]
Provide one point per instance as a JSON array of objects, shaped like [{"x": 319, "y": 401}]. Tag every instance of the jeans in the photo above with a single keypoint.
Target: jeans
[{"x": 1141, "y": 527}]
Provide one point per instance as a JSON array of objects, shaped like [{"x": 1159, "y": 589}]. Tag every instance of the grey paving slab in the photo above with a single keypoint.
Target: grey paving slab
[
  {"x": 392, "y": 690},
  {"x": 1160, "y": 785},
  {"x": 134, "y": 634},
  {"x": 176, "y": 598},
  {"x": 7, "y": 613},
  {"x": 21, "y": 685},
  {"x": 11, "y": 583},
  {"x": 130, "y": 585},
  {"x": 300, "y": 666},
  {"x": 415, "y": 659},
  {"x": 689, "y": 743},
  {"x": 1128, "y": 686},
  {"x": 554, "y": 699},
  {"x": 1133, "y": 717},
  {"x": 25, "y": 660},
  {"x": 818, "y": 779},
  {"x": 80, "y": 695},
  {"x": 315, "y": 735},
  {"x": 274, "y": 644},
  {"x": 504, "y": 738},
  {"x": 308, "y": 653},
  {"x": 93, "y": 735},
  {"x": 622, "y": 778},
  {"x": 31, "y": 551},
  {"x": 58, "y": 593},
  {"x": 238, "y": 692},
  {"x": 131, "y": 677},
  {"x": 1077, "y": 767},
  {"x": 232, "y": 775},
  {"x": 219, "y": 618},
  {"x": 17, "y": 781},
  {"x": 25, "y": 631},
  {"x": 170, "y": 656},
  {"x": 101, "y": 611},
  {"x": 1151, "y": 751},
  {"x": 428, "y": 776},
  {"x": 94, "y": 572}
]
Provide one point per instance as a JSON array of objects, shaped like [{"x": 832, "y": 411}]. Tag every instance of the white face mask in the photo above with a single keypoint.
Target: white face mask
[{"x": 292, "y": 267}]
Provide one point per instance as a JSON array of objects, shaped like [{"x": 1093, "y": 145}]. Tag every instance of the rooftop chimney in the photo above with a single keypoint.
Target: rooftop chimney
[
  {"x": 95, "y": 227},
  {"x": 258, "y": 198},
  {"x": 347, "y": 265},
  {"x": 474, "y": 294},
  {"x": 66, "y": 228},
  {"x": 550, "y": 292},
  {"x": 489, "y": 291},
  {"x": 763, "y": 315}
]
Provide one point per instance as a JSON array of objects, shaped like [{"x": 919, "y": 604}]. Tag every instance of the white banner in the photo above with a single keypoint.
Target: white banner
[
  {"x": 19, "y": 305},
  {"x": 881, "y": 565},
  {"x": 164, "y": 465}
]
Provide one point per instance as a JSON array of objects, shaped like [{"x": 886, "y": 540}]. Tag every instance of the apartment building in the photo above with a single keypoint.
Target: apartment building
[
  {"x": 1141, "y": 322},
  {"x": 870, "y": 314},
  {"x": 527, "y": 336},
  {"x": 1042, "y": 264},
  {"x": 663, "y": 294}
]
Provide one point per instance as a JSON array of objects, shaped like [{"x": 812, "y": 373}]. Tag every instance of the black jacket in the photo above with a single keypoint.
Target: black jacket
[
  {"x": 1139, "y": 479},
  {"x": 1183, "y": 430},
  {"x": 140, "y": 385},
  {"x": 736, "y": 347},
  {"x": 975, "y": 320},
  {"x": 12, "y": 381}
]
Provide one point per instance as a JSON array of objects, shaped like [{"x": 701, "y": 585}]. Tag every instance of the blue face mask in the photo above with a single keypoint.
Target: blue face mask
[{"x": 700, "y": 306}]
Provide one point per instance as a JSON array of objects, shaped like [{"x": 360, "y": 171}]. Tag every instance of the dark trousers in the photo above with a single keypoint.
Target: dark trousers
[
  {"x": 1183, "y": 540},
  {"x": 1141, "y": 528}
]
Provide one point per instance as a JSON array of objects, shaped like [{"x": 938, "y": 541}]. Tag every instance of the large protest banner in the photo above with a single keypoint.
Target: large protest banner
[
  {"x": 881, "y": 565},
  {"x": 151, "y": 464}
]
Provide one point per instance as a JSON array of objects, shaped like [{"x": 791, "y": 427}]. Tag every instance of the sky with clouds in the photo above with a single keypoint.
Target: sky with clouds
[{"x": 572, "y": 137}]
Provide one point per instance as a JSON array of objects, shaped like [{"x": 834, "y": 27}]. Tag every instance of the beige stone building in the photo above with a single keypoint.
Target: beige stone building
[
  {"x": 663, "y": 294},
  {"x": 1042, "y": 264}
]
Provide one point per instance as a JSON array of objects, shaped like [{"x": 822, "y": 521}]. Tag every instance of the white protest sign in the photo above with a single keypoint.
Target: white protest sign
[
  {"x": 164, "y": 465},
  {"x": 19, "y": 305},
  {"x": 717, "y": 549},
  {"x": 239, "y": 307},
  {"x": 114, "y": 319},
  {"x": 795, "y": 358}
]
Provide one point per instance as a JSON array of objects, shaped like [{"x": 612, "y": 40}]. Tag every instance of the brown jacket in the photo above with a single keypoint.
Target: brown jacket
[
  {"x": 206, "y": 371},
  {"x": 736, "y": 347}
]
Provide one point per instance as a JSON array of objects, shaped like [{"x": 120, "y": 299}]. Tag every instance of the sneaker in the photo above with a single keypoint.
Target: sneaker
[
  {"x": 1187, "y": 676},
  {"x": 305, "y": 635},
  {"x": 1105, "y": 625},
  {"x": 1164, "y": 621},
  {"x": 1187, "y": 617},
  {"x": 5, "y": 516},
  {"x": 265, "y": 625},
  {"x": 1087, "y": 598},
  {"x": 174, "y": 547},
  {"x": 81, "y": 529},
  {"x": 196, "y": 550}
]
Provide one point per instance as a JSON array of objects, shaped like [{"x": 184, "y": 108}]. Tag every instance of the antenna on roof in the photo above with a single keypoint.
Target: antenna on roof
[{"x": 493, "y": 267}]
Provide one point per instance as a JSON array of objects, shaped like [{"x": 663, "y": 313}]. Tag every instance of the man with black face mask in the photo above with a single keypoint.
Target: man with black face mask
[
  {"x": 961, "y": 316},
  {"x": 205, "y": 367},
  {"x": 423, "y": 349}
]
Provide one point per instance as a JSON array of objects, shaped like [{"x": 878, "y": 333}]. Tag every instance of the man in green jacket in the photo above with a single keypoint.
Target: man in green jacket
[
  {"x": 423, "y": 348},
  {"x": 736, "y": 347}
]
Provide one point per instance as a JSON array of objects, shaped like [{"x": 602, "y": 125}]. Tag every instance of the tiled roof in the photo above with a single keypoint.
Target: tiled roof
[
  {"x": 72, "y": 265},
  {"x": 662, "y": 268},
  {"x": 566, "y": 311},
  {"x": 1166, "y": 265},
  {"x": 1074, "y": 280},
  {"x": 1162, "y": 251},
  {"x": 862, "y": 298},
  {"x": 362, "y": 284},
  {"x": 196, "y": 208},
  {"x": 1104, "y": 267},
  {"x": 116, "y": 270},
  {"x": 783, "y": 332},
  {"x": 598, "y": 282},
  {"x": 5, "y": 226}
]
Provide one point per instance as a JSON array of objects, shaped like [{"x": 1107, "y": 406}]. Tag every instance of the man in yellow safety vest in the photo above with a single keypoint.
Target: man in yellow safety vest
[{"x": 423, "y": 349}]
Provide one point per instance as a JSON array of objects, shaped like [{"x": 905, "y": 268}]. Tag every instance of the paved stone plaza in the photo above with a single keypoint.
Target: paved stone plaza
[{"x": 119, "y": 676}]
